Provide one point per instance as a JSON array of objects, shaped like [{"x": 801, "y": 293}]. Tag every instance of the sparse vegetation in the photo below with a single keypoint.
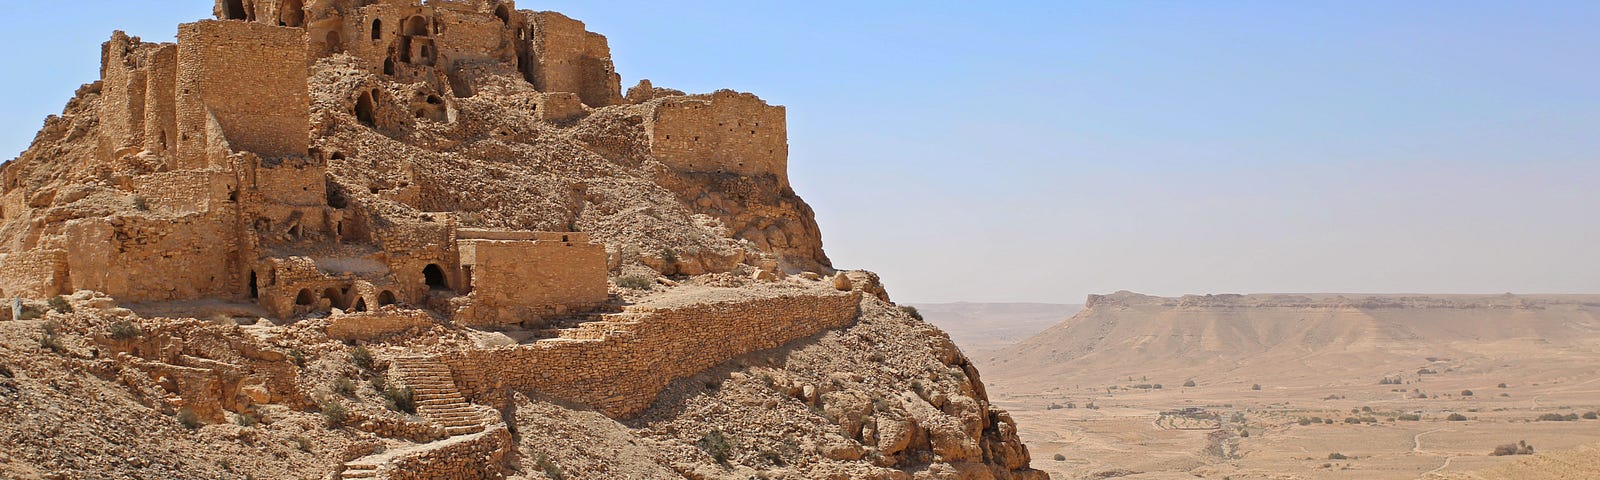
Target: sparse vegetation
[
  {"x": 1556, "y": 417},
  {"x": 1337, "y": 456},
  {"x": 334, "y": 413},
  {"x": 912, "y": 311},
  {"x": 1519, "y": 448},
  {"x": 60, "y": 305},
  {"x": 247, "y": 419},
  {"x": 636, "y": 282},
  {"x": 1060, "y": 457},
  {"x": 1591, "y": 415},
  {"x": 343, "y": 386},
  {"x": 1466, "y": 393},
  {"x": 123, "y": 330},
  {"x": 1456, "y": 417},
  {"x": 1189, "y": 383},
  {"x": 1502, "y": 385},
  {"x": 715, "y": 444},
  {"x": 303, "y": 443},
  {"x": 669, "y": 256},
  {"x": 400, "y": 399},
  {"x": 362, "y": 358},
  {"x": 49, "y": 339},
  {"x": 141, "y": 204},
  {"x": 549, "y": 468},
  {"x": 298, "y": 356},
  {"x": 1410, "y": 417},
  {"x": 1256, "y": 387},
  {"x": 188, "y": 418}
]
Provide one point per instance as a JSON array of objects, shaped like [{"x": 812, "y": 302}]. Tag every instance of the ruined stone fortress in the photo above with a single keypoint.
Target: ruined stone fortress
[{"x": 245, "y": 206}]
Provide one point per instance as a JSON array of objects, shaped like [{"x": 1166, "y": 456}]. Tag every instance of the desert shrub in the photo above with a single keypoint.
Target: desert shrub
[
  {"x": 1591, "y": 415},
  {"x": 6, "y": 372},
  {"x": 1502, "y": 385},
  {"x": 1305, "y": 422},
  {"x": 1256, "y": 387},
  {"x": 298, "y": 356},
  {"x": 343, "y": 386},
  {"x": 30, "y": 312},
  {"x": 669, "y": 256},
  {"x": 362, "y": 358},
  {"x": 1556, "y": 417},
  {"x": 247, "y": 419},
  {"x": 877, "y": 357},
  {"x": 1389, "y": 381},
  {"x": 334, "y": 414},
  {"x": 60, "y": 304},
  {"x": 124, "y": 330},
  {"x": 400, "y": 399},
  {"x": 188, "y": 418},
  {"x": 549, "y": 468},
  {"x": 636, "y": 282},
  {"x": 1060, "y": 457},
  {"x": 1410, "y": 417},
  {"x": 1189, "y": 383},
  {"x": 1244, "y": 433},
  {"x": 141, "y": 204},
  {"x": 716, "y": 445},
  {"x": 1456, "y": 417},
  {"x": 1427, "y": 371},
  {"x": 912, "y": 311},
  {"x": 1466, "y": 393},
  {"x": 1337, "y": 456},
  {"x": 49, "y": 339},
  {"x": 302, "y": 443},
  {"x": 1327, "y": 421},
  {"x": 1519, "y": 448}
]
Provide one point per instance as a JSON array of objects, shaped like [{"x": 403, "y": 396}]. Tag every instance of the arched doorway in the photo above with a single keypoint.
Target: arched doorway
[
  {"x": 434, "y": 276},
  {"x": 377, "y": 29},
  {"x": 333, "y": 297},
  {"x": 386, "y": 298},
  {"x": 255, "y": 286},
  {"x": 335, "y": 43},
  {"x": 360, "y": 306},
  {"x": 305, "y": 298},
  {"x": 365, "y": 109},
  {"x": 291, "y": 13},
  {"x": 503, "y": 13}
]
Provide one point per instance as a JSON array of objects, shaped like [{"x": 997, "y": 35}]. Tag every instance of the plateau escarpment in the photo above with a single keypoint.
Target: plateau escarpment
[{"x": 406, "y": 239}]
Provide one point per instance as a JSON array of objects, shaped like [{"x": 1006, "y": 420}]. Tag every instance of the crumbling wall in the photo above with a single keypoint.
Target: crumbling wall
[
  {"x": 619, "y": 367},
  {"x": 515, "y": 280},
  {"x": 122, "y": 94},
  {"x": 34, "y": 274},
  {"x": 185, "y": 192},
  {"x": 139, "y": 259},
  {"x": 564, "y": 56},
  {"x": 252, "y": 78},
  {"x": 725, "y": 132}
]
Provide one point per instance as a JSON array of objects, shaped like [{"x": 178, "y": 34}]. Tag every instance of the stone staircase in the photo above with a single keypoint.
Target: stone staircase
[
  {"x": 437, "y": 398},
  {"x": 439, "y": 401}
]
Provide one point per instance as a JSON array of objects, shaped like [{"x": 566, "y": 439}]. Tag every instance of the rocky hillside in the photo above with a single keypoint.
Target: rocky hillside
[{"x": 725, "y": 343}]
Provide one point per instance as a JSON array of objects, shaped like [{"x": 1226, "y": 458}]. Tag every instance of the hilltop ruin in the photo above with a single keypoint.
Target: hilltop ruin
[{"x": 462, "y": 189}]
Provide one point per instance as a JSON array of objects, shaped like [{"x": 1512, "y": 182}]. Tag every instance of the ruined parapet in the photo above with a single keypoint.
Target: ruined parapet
[
  {"x": 725, "y": 132},
  {"x": 252, "y": 80},
  {"x": 519, "y": 277},
  {"x": 34, "y": 274},
  {"x": 564, "y": 56}
]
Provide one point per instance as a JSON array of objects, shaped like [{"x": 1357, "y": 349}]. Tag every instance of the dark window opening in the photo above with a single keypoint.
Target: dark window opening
[
  {"x": 360, "y": 306},
  {"x": 335, "y": 43},
  {"x": 388, "y": 66},
  {"x": 255, "y": 287},
  {"x": 332, "y": 295},
  {"x": 417, "y": 26},
  {"x": 234, "y": 10},
  {"x": 305, "y": 298},
  {"x": 503, "y": 13},
  {"x": 386, "y": 298},
  {"x": 364, "y": 109},
  {"x": 434, "y": 276},
  {"x": 377, "y": 29}
]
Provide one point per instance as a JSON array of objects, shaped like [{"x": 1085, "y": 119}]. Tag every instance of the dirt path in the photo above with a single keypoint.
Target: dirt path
[
  {"x": 1441, "y": 468},
  {"x": 1416, "y": 440}
]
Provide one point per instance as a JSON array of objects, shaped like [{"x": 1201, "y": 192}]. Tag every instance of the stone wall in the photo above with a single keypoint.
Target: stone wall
[
  {"x": 252, "y": 78},
  {"x": 514, "y": 280},
  {"x": 566, "y": 57},
  {"x": 35, "y": 274},
  {"x": 139, "y": 259},
  {"x": 619, "y": 367},
  {"x": 724, "y": 132},
  {"x": 184, "y": 192},
  {"x": 467, "y": 457}
]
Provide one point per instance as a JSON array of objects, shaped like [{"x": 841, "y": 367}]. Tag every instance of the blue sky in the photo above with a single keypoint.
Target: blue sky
[{"x": 1041, "y": 151}]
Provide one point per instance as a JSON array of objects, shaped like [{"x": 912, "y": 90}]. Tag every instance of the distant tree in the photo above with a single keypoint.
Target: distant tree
[
  {"x": 1256, "y": 387},
  {"x": 1456, "y": 417},
  {"x": 1466, "y": 393},
  {"x": 1189, "y": 383}
]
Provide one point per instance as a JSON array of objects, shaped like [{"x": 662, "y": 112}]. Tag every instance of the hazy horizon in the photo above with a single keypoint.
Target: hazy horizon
[{"x": 1042, "y": 151}]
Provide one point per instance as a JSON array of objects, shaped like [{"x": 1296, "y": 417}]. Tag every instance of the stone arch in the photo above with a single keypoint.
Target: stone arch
[
  {"x": 292, "y": 13},
  {"x": 234, "y": 10},
  {"x": 416, "y": 26},
  {"x": 334, "y": 41},
  {"x": 333, "y": 297},
  {"x": 360, "y": 306},
  {"x": 503, "y": 12},
  {"x": 386, "y": 298},
  {"x": 305, "y": 297},
  {"x": 377, "y": 29},
  {"x": 433, "y": 275},
  {"x": 366, "y": 108}
]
